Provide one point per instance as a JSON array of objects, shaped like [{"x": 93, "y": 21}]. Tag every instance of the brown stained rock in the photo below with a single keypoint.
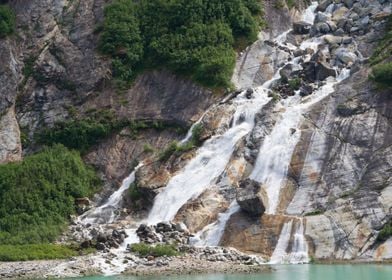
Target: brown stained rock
[
  {"x": 200, "y": 212},
  {"x": 253, "y": 235},
  {"x": 252, "y": 197}
]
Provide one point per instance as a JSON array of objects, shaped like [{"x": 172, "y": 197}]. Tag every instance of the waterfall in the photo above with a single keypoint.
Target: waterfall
[
  {"x": 299, "y": 248},
  {"x": 210, "y": 161},
  {"x": 212, "y": 234},
  {"x": 106, "y": 213}
]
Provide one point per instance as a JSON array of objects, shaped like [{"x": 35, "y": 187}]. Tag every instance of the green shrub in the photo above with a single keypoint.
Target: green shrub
[
  {"x": 382, "y": 74},
  {"x": 157, "y": 251},
  {"x": 81, "y": 134},
  {"x": 134, "y": 193},
  {"x": 295, "y": 84},
  {"x": 7, "y": 21},
  {"x": 176, "y": 148},
  {"x": 194, "y": 38},
  {"x": 38, "y": 195},
  {"x": 315, "y": 212},
  {"x": 386, "y": 232},
  {"x": 35, "y": 252},
  {"x": 168, "y": 151},
  {"x": 290, "y": 3}
]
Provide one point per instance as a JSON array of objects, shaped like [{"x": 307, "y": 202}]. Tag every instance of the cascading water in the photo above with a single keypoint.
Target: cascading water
[
  {"x": 299, "y": 248},
  {"x": 106, "y": 213},
  {"x": 212, "y": 234},
  {"x": 210, "y": 161}
]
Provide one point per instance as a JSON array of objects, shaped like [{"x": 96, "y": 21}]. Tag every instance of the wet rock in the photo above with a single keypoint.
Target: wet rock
[
  {"x": 345, "y": 56},
  {"x": 301, "y": 27},
  {"x": 86, "y": 244},
  {"x": 100, "y": 246},
  {"x": 286, "y": 72},
  {"x": 251, "y": 197},
  {"x": 318, "y": 71},
  {"x": 249, "y": 93},
  {"x": 323, "y": 5},
  {"x": 306, "y": 90}
]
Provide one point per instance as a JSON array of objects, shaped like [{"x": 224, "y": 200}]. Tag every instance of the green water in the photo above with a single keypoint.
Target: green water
[{"x": 286, "y": 272}]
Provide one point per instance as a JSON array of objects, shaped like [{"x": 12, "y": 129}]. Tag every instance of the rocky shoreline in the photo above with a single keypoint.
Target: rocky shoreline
[{"x": 163, "y": 266}]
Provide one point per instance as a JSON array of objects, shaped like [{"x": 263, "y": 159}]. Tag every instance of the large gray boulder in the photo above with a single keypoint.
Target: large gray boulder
[
  {"x": 252, "y": 198},
  {"x": 301, "y": 27}
]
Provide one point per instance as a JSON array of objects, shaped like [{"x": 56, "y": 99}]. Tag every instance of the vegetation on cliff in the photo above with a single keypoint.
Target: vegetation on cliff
[
  {"x": 38, "y": 195},
  {"x": 194, "y": 38},
  {"x": 7, "y": 21},
  {"x": 382, "y": 70}
]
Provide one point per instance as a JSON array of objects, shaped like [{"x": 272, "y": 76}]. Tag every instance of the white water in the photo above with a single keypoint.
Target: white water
[
  {"x": 277, "y": 148},
  {"x": 212, "y": 159},
  {"x": 212, "y": 234},
  {"x": 106, "y": 213},
  {"x": 209, "y": 162},
  {"x": 299, "y": 250}
]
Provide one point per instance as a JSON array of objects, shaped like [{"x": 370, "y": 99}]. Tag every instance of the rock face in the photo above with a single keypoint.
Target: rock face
[
  {"x": 68, "y": 78},
  {"x": 251, "y": 197}
]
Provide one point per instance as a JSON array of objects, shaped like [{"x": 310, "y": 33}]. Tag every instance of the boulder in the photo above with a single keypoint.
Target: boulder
[
  {"x": 100, "y": 246},
  {"x": 323, "y": 5},
  {"x": 306, "y": 90},
  {"x": 318, "y": 71},
  {"x": 249, "y": 93},
  {"x": 345, "y": 56},
  {"x": 349, "y": 3},
  {"x": 251, "y": 197},
  {"x": 286, "y": 72},
  {"x": 301, "y": 27}
]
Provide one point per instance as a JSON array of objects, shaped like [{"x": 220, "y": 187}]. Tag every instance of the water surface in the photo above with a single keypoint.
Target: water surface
[{"x": 285, "y": 272}]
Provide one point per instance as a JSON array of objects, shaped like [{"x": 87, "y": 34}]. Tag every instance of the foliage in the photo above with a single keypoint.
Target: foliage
[
  {"x": 176, "y": 148},
  {"x": 35, "y": 252},
  {"x": 386, "y": 232},
  {"x": 194, "y": 38},
  {"x": 382, "y": 74},
  {"x": 76, "y": 134},
  {"x": 315, "y": 212},
  {"x": 134, "y": 192},
  {"x": 7, "y": 21},
  {"x": 157, "y": 251},
  {"x": 295, "y": 84},
  {"x": 37, "y": 195},
  {"x": 290, "y": 3},
  {"x": 384, "y": 48}
]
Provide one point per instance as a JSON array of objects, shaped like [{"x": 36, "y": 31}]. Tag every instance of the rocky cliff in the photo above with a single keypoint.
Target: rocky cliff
[
  {"x": 51, "y": 72},
  {"x": 307, "y": 156}
]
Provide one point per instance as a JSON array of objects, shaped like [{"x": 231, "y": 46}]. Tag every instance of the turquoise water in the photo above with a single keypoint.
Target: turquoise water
[{"x": 286, "y": 272}]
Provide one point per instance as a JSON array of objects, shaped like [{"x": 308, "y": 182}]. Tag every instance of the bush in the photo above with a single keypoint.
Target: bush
[
  {"x": 11, "y": 253},
  {"x": 7, "y": 21},
  {"x": 295, "y": 84},
  {"x": 386, "y": 232},
  {"x": 382, "y": 74},
  {"x": 38, "y": 195},
  {"x": 159, "y": 250},
  {"x": 176, "y": 148},
  {"x": 195, "y": 38}
]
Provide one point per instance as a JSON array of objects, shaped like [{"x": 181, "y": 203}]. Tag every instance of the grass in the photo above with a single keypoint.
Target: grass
[
  {"x": 159, "y": 250},
  {"x": 11, "y": 253}
]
